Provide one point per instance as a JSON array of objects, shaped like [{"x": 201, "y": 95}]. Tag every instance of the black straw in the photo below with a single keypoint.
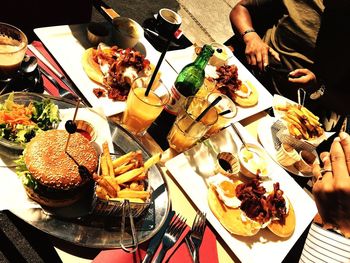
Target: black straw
[
  {"x": 157, "y": 67},
  {"x": 224, "y": 112},
  {"x": 200, "y": 116}
]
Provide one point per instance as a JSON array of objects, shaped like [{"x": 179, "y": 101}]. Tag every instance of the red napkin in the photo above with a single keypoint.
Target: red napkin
[
  {"x": 207, "y": 252},
  {"x": 49, "y": 87}
]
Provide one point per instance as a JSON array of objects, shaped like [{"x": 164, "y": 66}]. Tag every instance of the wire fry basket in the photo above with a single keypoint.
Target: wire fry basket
[{"x": 114, "y": 208}]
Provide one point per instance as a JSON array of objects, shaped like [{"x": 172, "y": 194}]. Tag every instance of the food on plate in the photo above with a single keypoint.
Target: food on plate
[
  {"x": 124, "y": 177},
  {"x": 53, "y": 177},
  {"x": 242, "y": 93},
  {"x": 19, "y": 123},
  {"x": 115, "y": 69},
  {"x": 220, "y": 56},
  {"x": 301, "y": 123},
  {"x": 244, "y": 208},
  {"x": 287, "y": 155},
  {"x": 254, "y": 161},
  {"x": 306, "y": 162}
]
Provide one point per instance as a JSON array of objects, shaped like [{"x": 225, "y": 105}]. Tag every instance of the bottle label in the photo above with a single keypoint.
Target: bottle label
[{"x": 175, "y": 102}]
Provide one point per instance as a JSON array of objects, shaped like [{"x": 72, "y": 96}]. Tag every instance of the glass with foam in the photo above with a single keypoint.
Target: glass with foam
[{"x": 13, "y": 46}]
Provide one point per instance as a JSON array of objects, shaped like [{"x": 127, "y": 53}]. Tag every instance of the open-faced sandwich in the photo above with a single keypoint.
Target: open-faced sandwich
[
  {"x": 227, "y": 82},
  {"x": 245, "y": 208},
  {"x": 115, "y": 69},
  {"x": 52, "y": 176}
]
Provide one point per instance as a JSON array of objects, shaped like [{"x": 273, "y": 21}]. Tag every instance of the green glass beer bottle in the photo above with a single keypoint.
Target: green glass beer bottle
[{"x": 187, "y": 83}]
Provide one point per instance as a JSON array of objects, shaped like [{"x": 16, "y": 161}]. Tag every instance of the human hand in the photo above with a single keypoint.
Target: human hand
[
  {"x": 257, "y": 51},
  {"x": 302, "y": 76},
  {"x": 332, "y": 187}
]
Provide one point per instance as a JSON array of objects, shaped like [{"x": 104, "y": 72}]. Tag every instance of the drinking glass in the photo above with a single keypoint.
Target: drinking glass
[
  {"x": 142, "y": 110},
  {"x": 13, "y": 46},
  {"x": 223, "y": 105},
  {"x": 208, "y": 86},
  {"x": 186, "y": 130}
]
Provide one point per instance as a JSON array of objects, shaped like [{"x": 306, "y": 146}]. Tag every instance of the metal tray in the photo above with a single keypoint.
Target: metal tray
[{"x": 73, "y": 224}]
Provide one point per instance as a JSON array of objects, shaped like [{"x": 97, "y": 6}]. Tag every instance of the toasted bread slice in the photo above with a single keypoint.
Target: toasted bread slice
[
  {"x": 287, "y": 228},
  {"x": 231, "y": 218}
]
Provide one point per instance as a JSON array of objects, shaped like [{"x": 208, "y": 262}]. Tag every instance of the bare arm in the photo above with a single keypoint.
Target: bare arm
[{"x": 256, "y": 49}]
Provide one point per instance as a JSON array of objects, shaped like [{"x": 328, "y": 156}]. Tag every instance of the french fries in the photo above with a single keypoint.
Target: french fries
[
  {"x": 301, "y": 123},
  {"x": 123, "y": 178}
]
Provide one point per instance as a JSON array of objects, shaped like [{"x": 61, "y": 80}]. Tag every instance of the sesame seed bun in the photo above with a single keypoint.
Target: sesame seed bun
[{"x": 55, "y": 171}]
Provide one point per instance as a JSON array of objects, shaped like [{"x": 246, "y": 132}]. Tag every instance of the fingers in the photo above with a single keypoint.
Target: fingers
[
  {"x": 339, "y": 164},
  {"x": 302, "y": 76},
  {"x": 345, "y": 143},
  {"x": 274, "y": 54},
  {"x": 316, "y": 171},
  {"x": 327, "y": 165}
]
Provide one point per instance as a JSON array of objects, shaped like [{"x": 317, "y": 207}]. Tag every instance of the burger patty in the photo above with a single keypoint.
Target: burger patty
[{"x": 54, "y": 168}]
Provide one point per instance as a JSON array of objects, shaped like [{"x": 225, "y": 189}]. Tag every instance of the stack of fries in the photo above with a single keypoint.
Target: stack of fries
[
  {"x": 301, "y": 123},
  {"x": 124, "y": 177}
]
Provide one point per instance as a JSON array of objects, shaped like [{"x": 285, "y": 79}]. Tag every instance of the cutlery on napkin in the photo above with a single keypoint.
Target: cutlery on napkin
[
  {"x": 155, "y": 241},
  {"x": 178, "y": 253}
]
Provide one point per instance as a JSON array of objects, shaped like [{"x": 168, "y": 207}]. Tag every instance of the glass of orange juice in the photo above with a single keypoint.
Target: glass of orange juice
[
  {"x": 142, "y": 110},
  {"x": 227, "y": 111},
  {"x": 187, "y": 130}
]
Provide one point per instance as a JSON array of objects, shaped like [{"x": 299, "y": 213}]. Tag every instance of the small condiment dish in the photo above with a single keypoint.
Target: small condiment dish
[
  {"x": 227, "y": 164},
  {"x": 221, "y": 54},
  {"x": 306, "y": 162},
  {"x": 127, "y": 32},
  {"x": 254, "y": 161},
  {"x": 86, "y": 129},
  {"x": 97, "y": 33},
  {"x": 287, "y": 155}
]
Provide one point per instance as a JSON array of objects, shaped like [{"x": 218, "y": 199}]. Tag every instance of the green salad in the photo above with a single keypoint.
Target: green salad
[{"x": 19, "y": 122}]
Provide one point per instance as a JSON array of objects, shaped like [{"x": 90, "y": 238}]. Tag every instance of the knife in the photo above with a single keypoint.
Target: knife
[
  {"x": 155, "y": 241},
  {"x": 63, "y": 78}
]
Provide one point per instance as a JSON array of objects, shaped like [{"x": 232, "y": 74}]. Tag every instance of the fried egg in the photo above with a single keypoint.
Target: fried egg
[
  {"x": 226, "y": 190},
  {"x": 243, "y": 91}
]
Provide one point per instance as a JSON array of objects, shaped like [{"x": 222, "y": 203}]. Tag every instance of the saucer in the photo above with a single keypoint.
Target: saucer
[
  {"x": 158, "y": 43},
  {"x": 32, "y": 82}
]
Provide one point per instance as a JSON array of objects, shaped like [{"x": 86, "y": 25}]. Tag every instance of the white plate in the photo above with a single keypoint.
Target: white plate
[
  {"x": 67, "y": 44},
  {"x": 265, "y": 137},
  {"x": 191, "y": 169},
  {"x": 179, "y": 58}
]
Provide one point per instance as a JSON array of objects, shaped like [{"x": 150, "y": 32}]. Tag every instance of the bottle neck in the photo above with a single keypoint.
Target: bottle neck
[{"x": 203, "y": 57}]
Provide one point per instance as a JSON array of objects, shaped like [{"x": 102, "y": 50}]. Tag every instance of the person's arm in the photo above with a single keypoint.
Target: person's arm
[
  {"x": 256, "y": 49},
  {"x": 332, "y": 187}
]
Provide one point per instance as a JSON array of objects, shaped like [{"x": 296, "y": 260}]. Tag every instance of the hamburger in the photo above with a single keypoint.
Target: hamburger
[{"x": 52, "y": 176}]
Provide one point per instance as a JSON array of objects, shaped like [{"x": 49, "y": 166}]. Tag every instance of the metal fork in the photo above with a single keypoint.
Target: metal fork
[
  {"x": 63, "y": 92},
  {"x": 196, "y": 234},
  {"x": 172, "y": 234}
]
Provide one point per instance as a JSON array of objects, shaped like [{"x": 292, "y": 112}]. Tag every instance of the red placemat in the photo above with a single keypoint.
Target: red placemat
[
  {"x": 49, "y": 87},
  {"x": 178, "y": 253}
]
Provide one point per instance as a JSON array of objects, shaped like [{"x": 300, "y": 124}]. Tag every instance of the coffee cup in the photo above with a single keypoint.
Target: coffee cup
[
  {"x": 168, "y": 22},
  {"x": 13, "y": 45}
]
